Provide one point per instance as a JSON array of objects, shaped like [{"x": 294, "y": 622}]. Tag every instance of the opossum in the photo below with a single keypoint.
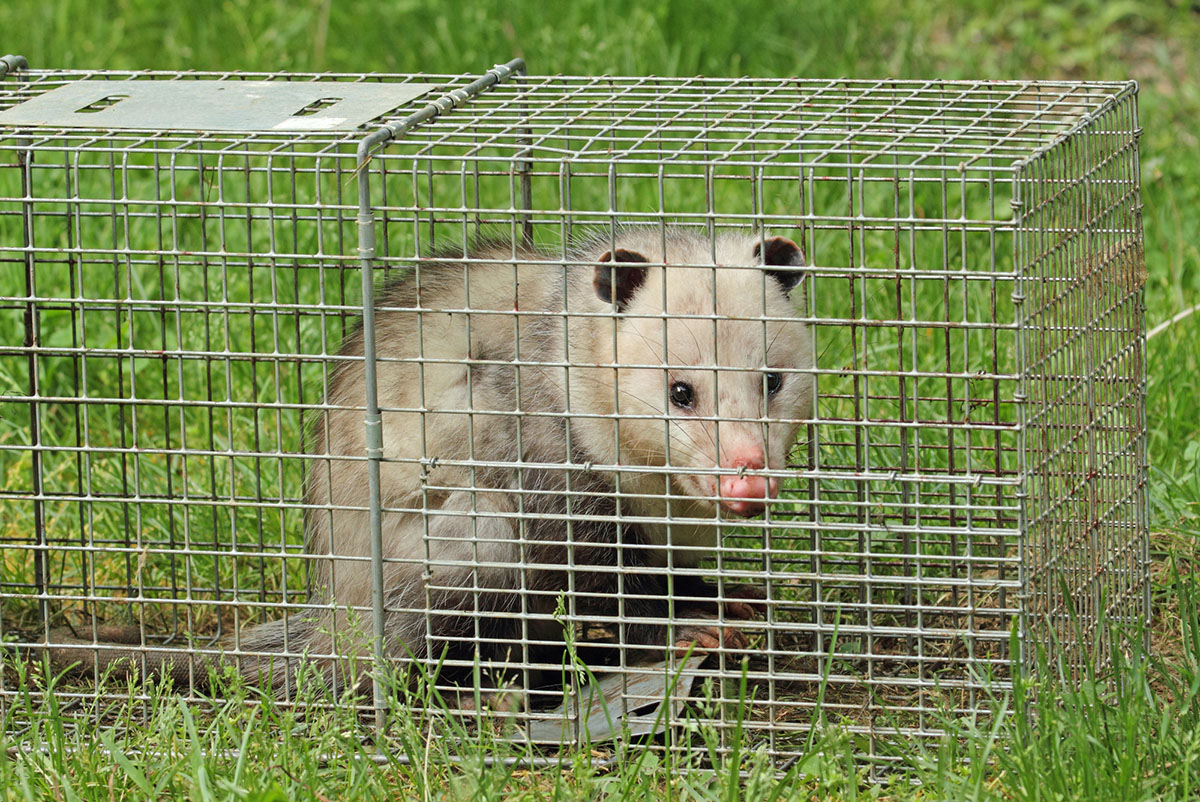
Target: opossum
[{"x": 512, "y": 383}]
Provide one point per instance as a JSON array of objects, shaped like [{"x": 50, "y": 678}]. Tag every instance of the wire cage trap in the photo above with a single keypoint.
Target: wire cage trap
[{"x": 962, "y": 460}]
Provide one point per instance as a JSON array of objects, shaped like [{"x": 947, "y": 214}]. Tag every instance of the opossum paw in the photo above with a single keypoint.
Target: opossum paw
[
  {"x": 745, "y": 602},
  {"x": 505, "y": 700},
  {"x": 708, "y": 637},
  {"x": 741, "y": 603}
]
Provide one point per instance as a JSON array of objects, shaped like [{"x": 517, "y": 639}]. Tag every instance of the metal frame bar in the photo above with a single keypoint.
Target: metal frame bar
[{"x": 366, "y": 252}]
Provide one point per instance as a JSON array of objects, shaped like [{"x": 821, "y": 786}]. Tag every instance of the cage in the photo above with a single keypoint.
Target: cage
[{"x": 188, "y": 257}]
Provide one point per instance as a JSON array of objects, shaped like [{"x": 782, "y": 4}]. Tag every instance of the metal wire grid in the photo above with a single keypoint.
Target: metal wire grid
[
  {"x": 1082, "y": 314},
  {"x": 217, "y": 267}
]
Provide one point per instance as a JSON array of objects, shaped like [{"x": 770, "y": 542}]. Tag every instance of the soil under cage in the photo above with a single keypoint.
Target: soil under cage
[{"x": 189, "y": 257}]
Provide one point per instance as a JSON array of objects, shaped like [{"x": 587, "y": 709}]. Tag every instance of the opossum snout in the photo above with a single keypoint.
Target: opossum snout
[{"x": 745, "y": 494}]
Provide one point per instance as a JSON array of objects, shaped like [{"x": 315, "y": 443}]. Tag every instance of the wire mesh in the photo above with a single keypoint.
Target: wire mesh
[{"x": 965, "y": 460}]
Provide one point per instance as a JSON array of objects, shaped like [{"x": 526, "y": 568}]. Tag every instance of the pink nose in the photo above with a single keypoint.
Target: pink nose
[{"x": 744, "y": 495}]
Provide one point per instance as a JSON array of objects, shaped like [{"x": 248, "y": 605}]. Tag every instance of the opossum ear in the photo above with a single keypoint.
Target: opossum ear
[
  {"x": 617, "y": 283},
  {"x": 781, "y": 252}
]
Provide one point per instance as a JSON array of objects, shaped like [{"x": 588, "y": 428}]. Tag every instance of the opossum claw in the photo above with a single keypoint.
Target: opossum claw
[
  {"x": 708, "y": 637},
  {"x": 745, "y": 602},
  {"x": 495, "y": 700},
  {"x": 740, "y": 602}
]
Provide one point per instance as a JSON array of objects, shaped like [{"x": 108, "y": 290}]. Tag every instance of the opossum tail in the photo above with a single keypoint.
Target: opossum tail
[{"x": 118, "y": 652}]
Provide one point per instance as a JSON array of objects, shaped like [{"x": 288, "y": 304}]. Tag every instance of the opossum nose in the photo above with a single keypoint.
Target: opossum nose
[
  {"x": 744, "y": 494},
  {"x": 743, "y": 506}
]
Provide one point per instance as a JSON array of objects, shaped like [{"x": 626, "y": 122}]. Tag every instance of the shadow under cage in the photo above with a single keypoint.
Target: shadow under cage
[{"x": 833, "y": 385}]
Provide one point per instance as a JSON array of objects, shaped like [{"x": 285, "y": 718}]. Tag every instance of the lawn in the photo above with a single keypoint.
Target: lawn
[{"x": 1138, "y": 741}]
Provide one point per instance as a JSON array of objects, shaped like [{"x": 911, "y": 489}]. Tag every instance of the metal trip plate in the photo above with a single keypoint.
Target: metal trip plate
[{"x": 213, "y": 105}]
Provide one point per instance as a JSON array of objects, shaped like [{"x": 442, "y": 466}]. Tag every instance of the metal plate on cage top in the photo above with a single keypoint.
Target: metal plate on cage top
[{"x": 214, "y": 105}]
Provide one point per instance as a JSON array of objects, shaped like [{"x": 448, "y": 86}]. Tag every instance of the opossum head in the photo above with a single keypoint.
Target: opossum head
[{"x": 712, "y": 360}]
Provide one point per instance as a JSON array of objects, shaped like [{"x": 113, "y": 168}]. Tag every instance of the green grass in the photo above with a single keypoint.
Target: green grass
[{"x": 1135, "y": 743}]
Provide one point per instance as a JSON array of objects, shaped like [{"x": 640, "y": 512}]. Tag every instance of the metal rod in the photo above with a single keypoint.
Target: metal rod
[
  {"x": 11, "y": 63},
  {"x": 373, "y": 420}
]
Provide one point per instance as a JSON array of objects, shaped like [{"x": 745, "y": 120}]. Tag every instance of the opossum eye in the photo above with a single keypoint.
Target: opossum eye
[
  {"x": 682, "y": 395},
  {"x": 774, "y": 382}
]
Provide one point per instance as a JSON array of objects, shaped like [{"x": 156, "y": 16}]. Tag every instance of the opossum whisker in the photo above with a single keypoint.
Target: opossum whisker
[
  {"x": 669, "y": 353},
  {"x": 778, "y": 333},
  {"x": 695, "y": 339}
]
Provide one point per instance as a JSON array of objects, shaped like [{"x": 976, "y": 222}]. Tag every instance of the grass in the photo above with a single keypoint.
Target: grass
[{"x": 1137, "y": 742}]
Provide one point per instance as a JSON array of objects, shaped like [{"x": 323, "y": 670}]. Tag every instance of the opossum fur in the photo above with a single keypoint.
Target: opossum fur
[{"x": 534, "y": 377}]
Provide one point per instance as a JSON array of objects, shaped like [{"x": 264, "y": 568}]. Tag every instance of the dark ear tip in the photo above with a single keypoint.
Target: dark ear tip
[
  {"x": 622, "y": 255},
  {"x": 618, "y": 286},
  {"x": 780, "y": 252}
]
